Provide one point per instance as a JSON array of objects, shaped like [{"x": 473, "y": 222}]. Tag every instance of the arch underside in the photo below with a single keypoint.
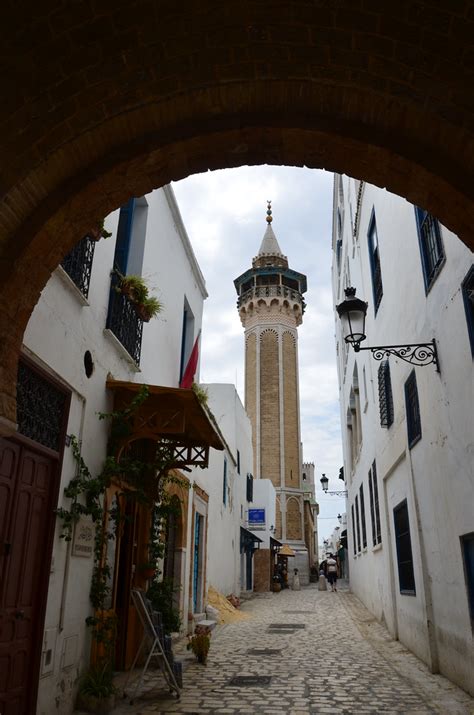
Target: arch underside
[{"x": 103, "y": 103}]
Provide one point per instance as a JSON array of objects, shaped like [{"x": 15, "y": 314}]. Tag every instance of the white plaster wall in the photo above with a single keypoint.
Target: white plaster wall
[
  {"x": 59, "y": 332},
  {"x": 436, "y": 475},
  {"x": 264, "y": 497},
  {"x": 223, "y": 546}
]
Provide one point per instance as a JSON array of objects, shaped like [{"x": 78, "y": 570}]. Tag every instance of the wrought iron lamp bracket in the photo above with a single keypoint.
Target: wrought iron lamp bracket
[
  {"x": 418, "y": 354},
  {"x": 341, "y": 493}
]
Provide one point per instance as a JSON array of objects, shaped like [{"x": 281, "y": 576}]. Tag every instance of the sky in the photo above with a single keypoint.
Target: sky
[{"x": 224, "y": 213}]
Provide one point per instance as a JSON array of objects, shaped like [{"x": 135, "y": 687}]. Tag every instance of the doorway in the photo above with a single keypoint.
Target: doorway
[{"x": 30, "y": 470}]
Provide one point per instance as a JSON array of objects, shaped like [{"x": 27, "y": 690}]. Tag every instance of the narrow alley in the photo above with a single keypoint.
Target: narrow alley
[{"x": 336, "y": 659}]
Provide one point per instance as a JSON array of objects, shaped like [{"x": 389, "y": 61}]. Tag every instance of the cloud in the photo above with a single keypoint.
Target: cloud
[{"x": 224, "y": 213}]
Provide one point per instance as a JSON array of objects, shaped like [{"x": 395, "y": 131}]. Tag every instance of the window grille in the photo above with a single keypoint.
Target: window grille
[
  {"x": 431, "y": 245},
  {"x": 412, "y": 410},
  {"x": 406, "y": 576},
  {"x": 124, "y": 322},
  {"x": 362, "y": 516},
  {"x": 385, "y": 394},
  {"x": 374, "y": 257},
  {"x": 41, "y": 408},
  {"x": 468, "y": 298},
  {"x": 78, "y": 264}
]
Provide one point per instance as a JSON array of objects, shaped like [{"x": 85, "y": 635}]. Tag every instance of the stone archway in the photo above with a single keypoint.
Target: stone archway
[{"x": 102, "y": 103}]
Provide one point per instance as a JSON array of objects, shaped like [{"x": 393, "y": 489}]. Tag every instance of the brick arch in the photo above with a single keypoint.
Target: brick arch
[{"x": 101, "y": 102}]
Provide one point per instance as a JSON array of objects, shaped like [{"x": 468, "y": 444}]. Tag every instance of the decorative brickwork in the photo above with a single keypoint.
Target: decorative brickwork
[
  {"x": 293, "y": 519},
  {"x": 251, "y": 389},
  {"x": 278, "y": 519},
  {"x": 104, "y": 101},
  {"x": 269, "y": 407},
  {"x": 290, "y": 411}
]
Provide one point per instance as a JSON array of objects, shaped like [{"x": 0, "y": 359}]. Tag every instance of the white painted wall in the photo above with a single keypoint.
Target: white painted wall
[
  {"x": 264, "y": 497},
  {"x": 436, "y": 475},
  {"x": 62, "y": 327},
  {"x": 224, "y": 520}
]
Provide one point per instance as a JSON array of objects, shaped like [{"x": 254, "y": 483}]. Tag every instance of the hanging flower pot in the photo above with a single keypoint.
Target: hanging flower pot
[
  {"x": 147, "y": 570},
  {"x": 98, "y": 231}
]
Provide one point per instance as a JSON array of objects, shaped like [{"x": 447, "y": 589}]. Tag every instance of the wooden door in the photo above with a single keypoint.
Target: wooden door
[{"x": 28, "y": 488}]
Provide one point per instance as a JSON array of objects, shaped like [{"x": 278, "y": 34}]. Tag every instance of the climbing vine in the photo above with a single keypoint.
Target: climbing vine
[{"x": 142, "y": 476}]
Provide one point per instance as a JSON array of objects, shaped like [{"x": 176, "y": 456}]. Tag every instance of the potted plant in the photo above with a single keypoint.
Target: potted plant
[
  {"x": 147, "y": 569},
  {"x": 276, "y": 584},
  {"x": 148, "y": 309},
  {"x": 134, "y": 287},
  {"x": 200, "y": 643},
  {"x": 96, "y": 690},
  {"x": 98, "y": 231}
]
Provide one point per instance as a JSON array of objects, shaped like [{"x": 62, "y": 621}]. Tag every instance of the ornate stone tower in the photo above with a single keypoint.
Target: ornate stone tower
[{"x": 271, "y": 306}]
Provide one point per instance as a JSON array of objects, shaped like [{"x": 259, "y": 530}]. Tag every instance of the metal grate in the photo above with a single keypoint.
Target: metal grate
[
  {"x": 124, "y": 322},
  {"x": 289, "y": 626},
  {"x": 250, "y": 681},
  {"x": 41, "y": 408},
  {"x": 264, "y": 651},
  {"x": 78, "y": 264}
]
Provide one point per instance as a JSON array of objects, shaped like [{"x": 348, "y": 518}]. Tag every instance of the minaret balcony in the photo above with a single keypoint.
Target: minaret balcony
[{"x": 271, "y": 292}]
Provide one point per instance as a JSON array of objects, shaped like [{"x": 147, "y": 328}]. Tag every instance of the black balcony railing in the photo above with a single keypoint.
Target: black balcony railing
[
  {"x": 78, "y": 264},
  {"x": 123, "y": 321}
]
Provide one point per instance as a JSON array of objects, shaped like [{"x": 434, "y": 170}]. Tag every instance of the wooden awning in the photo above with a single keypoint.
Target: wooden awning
[{"x": 173, "y": 414}]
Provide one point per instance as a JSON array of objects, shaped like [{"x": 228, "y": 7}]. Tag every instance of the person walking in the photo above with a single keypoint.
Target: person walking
[{"x": 332, "y": 572}]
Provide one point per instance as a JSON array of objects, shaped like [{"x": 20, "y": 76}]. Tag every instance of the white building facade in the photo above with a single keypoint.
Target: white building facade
[
  {"x": 408, "y": 432},
  {"x": 84, "y": 345}
]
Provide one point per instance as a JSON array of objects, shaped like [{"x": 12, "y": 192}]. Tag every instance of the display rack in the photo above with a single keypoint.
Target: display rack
[{"x": 154, "y": 638}]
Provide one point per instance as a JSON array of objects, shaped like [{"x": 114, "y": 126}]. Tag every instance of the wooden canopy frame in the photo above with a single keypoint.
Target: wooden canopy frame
[{"x": 173, "y": 414}]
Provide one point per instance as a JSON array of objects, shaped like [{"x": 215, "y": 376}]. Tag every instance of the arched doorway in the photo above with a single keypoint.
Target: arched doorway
[{"x": 377, "y": 93}]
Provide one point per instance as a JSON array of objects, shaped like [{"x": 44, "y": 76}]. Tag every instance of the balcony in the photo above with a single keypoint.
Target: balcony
[
  {"x": 269, "y": 292},
  {"x": 124, "y": 322},
  {"x": 78, "y": 264}
]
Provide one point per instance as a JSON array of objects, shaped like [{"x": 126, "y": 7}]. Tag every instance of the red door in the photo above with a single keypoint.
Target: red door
[{"x": 28, "y": 489}]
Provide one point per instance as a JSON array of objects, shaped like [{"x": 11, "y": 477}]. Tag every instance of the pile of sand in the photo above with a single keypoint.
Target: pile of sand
[{"x": 227, "y": 612}]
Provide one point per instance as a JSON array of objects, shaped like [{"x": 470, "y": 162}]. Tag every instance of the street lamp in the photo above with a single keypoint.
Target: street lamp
[
  {"x": 352, "y": 312},
  {"x": 339, "y": 518},
  {"x": 325, "y": 482}
]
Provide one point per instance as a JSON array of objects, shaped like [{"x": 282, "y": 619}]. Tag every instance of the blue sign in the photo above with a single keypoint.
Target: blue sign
[{"x": 257, "y": 517}]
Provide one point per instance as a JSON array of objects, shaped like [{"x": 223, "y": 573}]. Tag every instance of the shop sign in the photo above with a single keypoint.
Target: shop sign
[{"x": 256, "y": 518}]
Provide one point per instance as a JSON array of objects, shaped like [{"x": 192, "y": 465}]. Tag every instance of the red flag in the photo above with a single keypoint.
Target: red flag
[{"x": 188, "y": 374}]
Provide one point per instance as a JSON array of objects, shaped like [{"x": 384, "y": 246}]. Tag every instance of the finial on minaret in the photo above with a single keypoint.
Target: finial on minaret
[{"x": 269, "y": 211}]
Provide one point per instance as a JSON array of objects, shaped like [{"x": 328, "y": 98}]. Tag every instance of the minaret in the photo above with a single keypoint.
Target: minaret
[{"x": 271, "y": 307}]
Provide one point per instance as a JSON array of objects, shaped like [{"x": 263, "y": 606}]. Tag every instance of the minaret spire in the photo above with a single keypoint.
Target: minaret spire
[
  {"x": 269, "y": 245},
  {"x": 269, "y": 218}
]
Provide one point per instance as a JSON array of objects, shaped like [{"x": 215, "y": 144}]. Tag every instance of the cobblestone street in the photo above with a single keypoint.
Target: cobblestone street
[{"x": 339, "y": 661}]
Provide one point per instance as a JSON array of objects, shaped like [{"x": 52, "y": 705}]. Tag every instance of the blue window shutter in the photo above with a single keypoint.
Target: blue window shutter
[
  {"x": 374, "y": 258},
  {"x": 431, "y": 245},
  {"x": 124, "y": 236},
  {"x": 412, "y": 407}
]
